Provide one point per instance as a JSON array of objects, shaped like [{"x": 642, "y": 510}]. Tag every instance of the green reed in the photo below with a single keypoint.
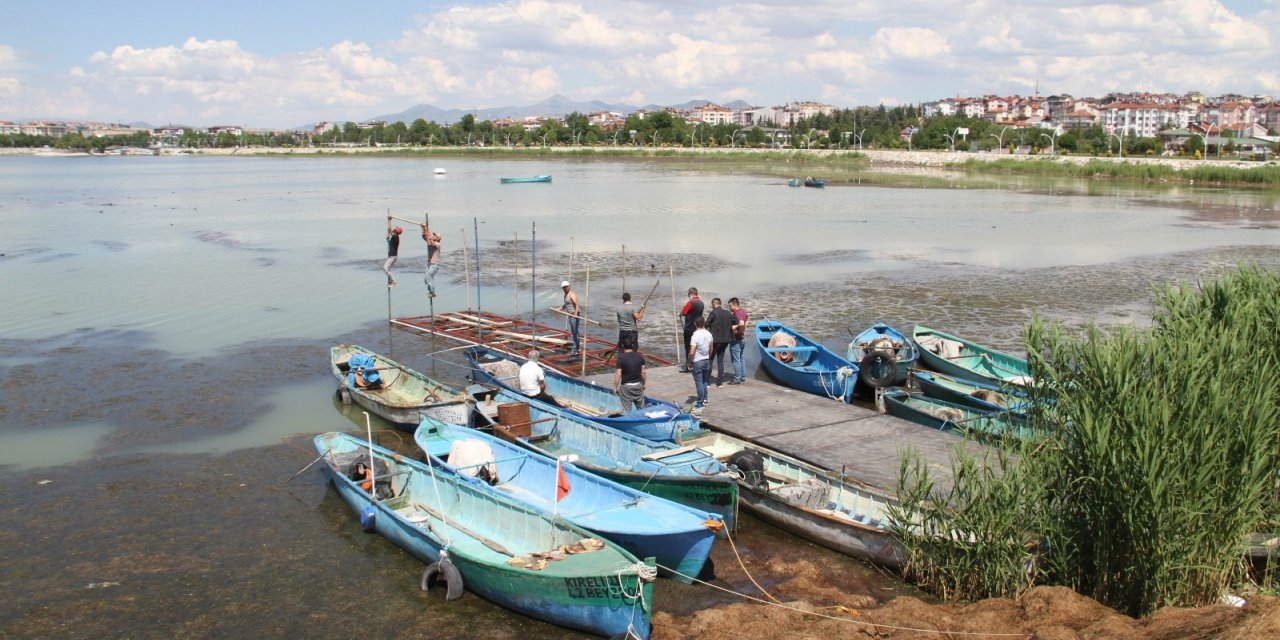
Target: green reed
[
  {"x": 1263, "y": 175},
  {"x": 1162, "y": 454}
]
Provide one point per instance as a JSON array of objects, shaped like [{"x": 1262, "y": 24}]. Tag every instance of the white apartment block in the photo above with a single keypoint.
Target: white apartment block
[
  {"x": 1141, "y": 120},
  {"x": 713, "y": 114}
]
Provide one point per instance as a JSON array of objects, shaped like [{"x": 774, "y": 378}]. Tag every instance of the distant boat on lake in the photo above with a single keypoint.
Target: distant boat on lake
[
  {"x": 538, "y": 178},
  {"x": 815, "y": 182},
  {"x": 440, "y": 171}
]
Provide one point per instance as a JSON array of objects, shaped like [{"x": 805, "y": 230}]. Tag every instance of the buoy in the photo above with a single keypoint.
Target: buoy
[{"x": 369, "y": 518}]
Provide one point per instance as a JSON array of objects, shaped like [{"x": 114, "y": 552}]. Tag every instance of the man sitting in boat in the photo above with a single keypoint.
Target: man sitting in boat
[
  {"x": 363, "y": 372},
  {"x": 781, "y": 339},
  {"x": 533, "y": 382}
]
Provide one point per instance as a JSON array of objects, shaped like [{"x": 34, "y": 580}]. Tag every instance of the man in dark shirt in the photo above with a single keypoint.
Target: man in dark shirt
[
  {"x": 720, "y": 324},
  {"x": 629, "y": 376},
  {"x": 692, "y": 311},
  {"x": 393, "y": 251},
  {"x": 629, "y": 317}
]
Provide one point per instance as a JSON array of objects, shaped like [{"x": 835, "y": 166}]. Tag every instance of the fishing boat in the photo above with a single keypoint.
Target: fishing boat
[
  {"x": 980, "y": 395},
  {"x": 884, "y": 355},
  {"x": 795, "y": 182},
  {"x": 403, "y": 395},
  {"x": 804, "y": 364},
  {"x": 823, "y": 506},
  {"x": 656, "y": 420},
  {"x": 962, "y": 358},
  {"x": 681, "y": 474},
  {"x": 949, "y": 416},
  {"x": 538, "y": 178},
  {"x": 815, "y": 182},
  {"x": 502, "y": 550},
  {"x": 676, "y": 536}
]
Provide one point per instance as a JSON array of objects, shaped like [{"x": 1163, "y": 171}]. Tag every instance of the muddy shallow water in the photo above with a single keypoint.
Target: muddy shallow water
[{"x": 166, "y": 358}]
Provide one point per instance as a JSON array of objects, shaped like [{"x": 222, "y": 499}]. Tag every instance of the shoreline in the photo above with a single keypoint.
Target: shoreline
[{"x": 894, "y": 157}]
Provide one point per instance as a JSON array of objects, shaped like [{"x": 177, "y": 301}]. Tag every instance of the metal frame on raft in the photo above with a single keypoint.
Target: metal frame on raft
[{"x": 515, "y": 336}]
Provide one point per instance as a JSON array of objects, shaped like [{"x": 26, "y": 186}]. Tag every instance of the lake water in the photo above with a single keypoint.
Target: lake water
[{"x": 167, "y": 321}]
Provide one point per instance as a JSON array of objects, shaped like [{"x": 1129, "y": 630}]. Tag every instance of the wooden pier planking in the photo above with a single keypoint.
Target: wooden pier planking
[{"x": 868, "y": 445}]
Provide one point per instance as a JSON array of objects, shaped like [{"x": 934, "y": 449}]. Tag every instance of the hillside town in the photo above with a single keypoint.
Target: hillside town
[{"x": 1244, "y": 125}]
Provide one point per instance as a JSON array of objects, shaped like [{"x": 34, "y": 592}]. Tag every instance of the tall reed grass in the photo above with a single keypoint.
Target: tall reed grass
[
  {"x": 1264, "y": 175},
  {"x": 1162, "y": 454}
]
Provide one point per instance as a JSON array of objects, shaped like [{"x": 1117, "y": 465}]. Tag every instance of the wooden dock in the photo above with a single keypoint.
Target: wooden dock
[{"x": 866, "y": 445}]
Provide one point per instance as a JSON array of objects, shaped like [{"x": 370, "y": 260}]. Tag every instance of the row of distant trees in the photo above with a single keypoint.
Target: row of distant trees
[{"x": 864, "y": 127}]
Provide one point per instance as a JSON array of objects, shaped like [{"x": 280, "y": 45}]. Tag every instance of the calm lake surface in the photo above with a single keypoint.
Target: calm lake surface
[{"x": 166, "y": 326}]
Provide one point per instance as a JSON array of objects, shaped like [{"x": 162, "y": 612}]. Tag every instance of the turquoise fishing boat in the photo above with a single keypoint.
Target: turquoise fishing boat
[
  {"x": 537, "y": 178},
  {"x": 502, "y": 550},
  {"x": 804, "y": 364},
  {"x": 961, "y": 358},
  {"x": 884, "y": 355},
  {"x": 401, "y": 396},
  {"x": 679, "y": 538},
  {"x": 981, "y": 395},
  {"x": 682, "y": 474},
  {"x": 823, "y": 506},
  {"x": 656, "y": 420},
  {"x": 957, "y": 418}
]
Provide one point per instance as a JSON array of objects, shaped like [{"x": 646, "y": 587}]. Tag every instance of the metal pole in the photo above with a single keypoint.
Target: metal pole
[
  {"x": 479, "y": 326},
  {"x": 679, "y": 328},
  {"x": 533, "y": 279},
  {"x": 466, "y": 270}
]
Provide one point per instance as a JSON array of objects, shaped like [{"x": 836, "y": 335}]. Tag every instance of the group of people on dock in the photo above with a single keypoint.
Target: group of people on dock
[{"x": 707, "y": 340}]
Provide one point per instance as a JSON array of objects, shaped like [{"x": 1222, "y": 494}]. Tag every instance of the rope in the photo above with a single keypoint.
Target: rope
[
  {"x": 876, "y": 625},
  {"x": 734, "y": 546},
  {"x": 645, "y": 573}
]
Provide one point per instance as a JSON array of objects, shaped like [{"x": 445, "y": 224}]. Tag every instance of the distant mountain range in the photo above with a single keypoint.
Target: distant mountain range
[{"x": 555, "y": 106}]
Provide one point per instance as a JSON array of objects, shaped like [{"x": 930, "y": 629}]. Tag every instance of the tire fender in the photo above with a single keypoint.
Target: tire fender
[
  {"x": 877, "y": 370},
  {"x": 443, "y": 570}
]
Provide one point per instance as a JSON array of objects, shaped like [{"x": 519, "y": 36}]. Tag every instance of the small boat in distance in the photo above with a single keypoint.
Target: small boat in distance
[
  {"x": 402, "y": 396},
  {"x": 795, "y": 182},
  {"x": 440, "y": 171},
  {"x": 815, "y": 182},
  {"x": 504, "y": 551},
  {"x": 537, "y": 178}
]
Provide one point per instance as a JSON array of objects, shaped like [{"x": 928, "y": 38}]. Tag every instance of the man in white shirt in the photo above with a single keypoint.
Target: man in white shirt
[
  {"x": 533, "y": 382},
  {"x": 700, "y": 345}
]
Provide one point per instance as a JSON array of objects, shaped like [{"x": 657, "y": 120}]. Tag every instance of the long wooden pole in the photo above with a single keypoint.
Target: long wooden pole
[
  {"x": 466, "y": 270},
  {"x": 586, "y": 304},
  {"x": 533, "y": 279},
  {"x": 624, "y": 267},
  {"x": 476, "y": 222},
  {"x": 655, "y": 288},
  {"x": 515, "y": 273},
  {"x": 680, "y": 355}
]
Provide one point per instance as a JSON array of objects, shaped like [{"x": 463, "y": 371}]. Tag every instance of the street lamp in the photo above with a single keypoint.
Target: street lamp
[
  {"x": 1053, "y": 141},
  {"x": 615, "y": 137},
  {"x": 1119, "y": 143},
  {"x": 808, "y": 138},
  {"x": 544, "y": 138},
  {"x": 655, "y": 138},
  {"x": 734, "y": 137},
  {"x": 858, "y": 137},
  {"x": 999, "y": 138},
  {"x": 951, "y": 141}
]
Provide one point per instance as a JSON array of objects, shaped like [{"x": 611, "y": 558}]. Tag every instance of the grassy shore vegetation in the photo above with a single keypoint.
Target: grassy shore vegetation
[
  {"x": 1267, "y": 175},
  {"x": 1158, "y": 455}
]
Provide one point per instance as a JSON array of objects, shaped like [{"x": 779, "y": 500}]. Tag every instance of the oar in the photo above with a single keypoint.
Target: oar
[
  {"x": 646, "y": 298},
  {"x": 412, "y": 222}
]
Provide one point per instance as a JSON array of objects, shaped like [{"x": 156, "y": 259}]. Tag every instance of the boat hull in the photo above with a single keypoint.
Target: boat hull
[
  {"x": 578, "y": 592},
  {"x": 531, "y": 179},
  {"x": 815, "y": 368},
  {"x": 657, "y": 420},
  {"x": 948, "y": 416},
  {"x": 406, "y": 395},
  {"x": 968, "y": 360},
  {"x": 676, "y": 536},
  {"x": 962, "y": 392}
]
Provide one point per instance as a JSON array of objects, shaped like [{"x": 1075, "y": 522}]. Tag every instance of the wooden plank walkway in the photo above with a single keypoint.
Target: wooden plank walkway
[{"x": 865, "y": 444}]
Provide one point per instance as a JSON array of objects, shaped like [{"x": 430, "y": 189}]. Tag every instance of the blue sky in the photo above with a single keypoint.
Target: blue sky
[{"x": 285, "y": 63}]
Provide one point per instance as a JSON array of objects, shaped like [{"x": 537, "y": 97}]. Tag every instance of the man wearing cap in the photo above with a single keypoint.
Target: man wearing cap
[
  {"x": 393, "y": 251},
  {"x": 574, "y": 313}
]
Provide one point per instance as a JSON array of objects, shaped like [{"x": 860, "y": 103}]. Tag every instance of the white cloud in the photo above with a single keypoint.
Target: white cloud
[{"x": 909, "y": 43}]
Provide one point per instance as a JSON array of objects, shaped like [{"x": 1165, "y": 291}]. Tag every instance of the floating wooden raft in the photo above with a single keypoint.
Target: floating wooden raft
[{"x": 514, "y": 336}]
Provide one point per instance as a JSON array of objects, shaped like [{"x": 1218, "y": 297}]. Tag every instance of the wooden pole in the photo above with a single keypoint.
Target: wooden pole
[
  {"x": 566, "y": 313},
  {"x": 586, "y": 303},
  {"x": 476, "y": 222},
  {"x": 655, "y": 288},
  {"x": 533, "y": 278},
  {"x": 401, "y": 219},
  {"x": 515, "y": 272},
  {"x": 466, "y": 270},
  {"x": 680, "y": 355},
  {"x": 624, "y": 268}
]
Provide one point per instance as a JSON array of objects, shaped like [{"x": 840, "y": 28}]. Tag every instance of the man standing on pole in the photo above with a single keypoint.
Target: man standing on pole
[
  {"x": 393, "y": 251},
  {"x": 574, "y": 312},
  {"x": 433, "y": 259}
]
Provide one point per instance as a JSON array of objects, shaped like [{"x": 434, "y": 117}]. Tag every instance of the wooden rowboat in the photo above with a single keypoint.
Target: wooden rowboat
[
  {"x": 676, "y": 536},
  {"x": 502, "y": 550},
  {"x": 949, "y": 416},
  {"x": 808, "y": 366},
  {"x": 681, "y": 474},
  {"x": 656, "y": 420},
  {"x": 963, "y": 358},
  {"x": 823, "y": 506},
  {"x": 537, "y": 178},
  {"x": 884, "y": 355},
  {"x": 404, "y": 395},
  {"x": 981, "y": 395}
]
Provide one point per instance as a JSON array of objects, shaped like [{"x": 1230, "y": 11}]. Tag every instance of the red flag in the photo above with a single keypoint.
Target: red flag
[{"x": 562, "y": 482}]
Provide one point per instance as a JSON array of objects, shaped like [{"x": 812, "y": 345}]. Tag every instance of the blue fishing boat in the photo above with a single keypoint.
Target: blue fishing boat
[
  {"x": 957, "y": 418},
  {"x": 656, "y": 420},
  {"x": 502, "y": 550},
  {"x": 676, "y": 536},
  {"x": 537, "y": 178},
  {"x": 884, "y": 355},
  {"x": 401, "y": 395},
  {"x": 980, "y": 395},
  {"x": 961, "y": 358},
  {"x": 803, "y": 364},
  {"x": 682, "y": 474},
  {"x": 815, "y": 182}
]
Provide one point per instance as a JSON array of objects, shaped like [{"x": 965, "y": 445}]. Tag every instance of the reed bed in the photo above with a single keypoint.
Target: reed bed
[
  {"x": 1162, "y": 455},
  {"x": 1264, "y": 175}
]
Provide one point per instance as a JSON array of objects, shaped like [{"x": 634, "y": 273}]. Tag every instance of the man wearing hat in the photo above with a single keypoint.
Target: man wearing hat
[
  {"x": 574, "y": 313},
  {"x": 393, "y": 251}
]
